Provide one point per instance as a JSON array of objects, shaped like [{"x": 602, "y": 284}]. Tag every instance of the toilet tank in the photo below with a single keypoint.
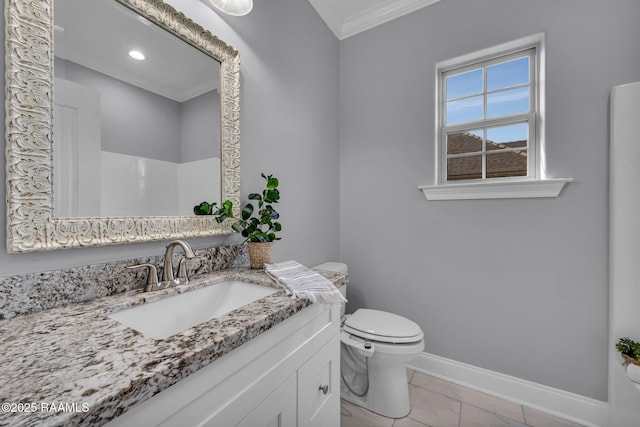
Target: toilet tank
[{"x": 337, "y": 267}]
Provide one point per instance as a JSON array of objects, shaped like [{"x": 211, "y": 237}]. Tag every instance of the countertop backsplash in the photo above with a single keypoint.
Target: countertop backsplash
[{"x": 32, "y": 292}]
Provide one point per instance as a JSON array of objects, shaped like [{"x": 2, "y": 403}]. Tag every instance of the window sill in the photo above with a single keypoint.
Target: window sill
[{"x": 496, "y": 190}]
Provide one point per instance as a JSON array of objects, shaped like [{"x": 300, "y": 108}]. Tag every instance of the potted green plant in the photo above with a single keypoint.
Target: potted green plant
[
  {"x": 259, "y": 226},
  {"x": 630, "y": 352}
]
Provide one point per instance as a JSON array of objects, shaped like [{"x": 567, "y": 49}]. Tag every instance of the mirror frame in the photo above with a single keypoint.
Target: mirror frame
[{"x": 31, "y": 225}]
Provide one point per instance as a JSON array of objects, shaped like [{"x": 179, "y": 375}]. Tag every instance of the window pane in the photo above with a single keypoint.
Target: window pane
[
  {"x": 507, "y": 74},
  {"x": 464, "y": 84},
  {"x": 464, "y": 142},
  {"x": 507, "y": 102},
  {"x": 464, "y": 168},
  {"x": 512, "y": 163},
  {"x": 464, "y": 110},
  {"x": 512, "y": 136}
]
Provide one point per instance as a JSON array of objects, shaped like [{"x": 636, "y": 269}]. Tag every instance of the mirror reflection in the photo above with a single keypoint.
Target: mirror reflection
[{"x": 136, "y": 116}]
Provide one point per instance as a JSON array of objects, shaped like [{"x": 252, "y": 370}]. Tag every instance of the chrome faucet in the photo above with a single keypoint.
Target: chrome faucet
[{"x": 168, "y": 278}]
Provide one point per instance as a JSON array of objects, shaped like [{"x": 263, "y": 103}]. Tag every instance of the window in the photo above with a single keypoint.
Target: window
[
  {"x": 490, "y": 124},
  {"x": 488, "y": 112}
]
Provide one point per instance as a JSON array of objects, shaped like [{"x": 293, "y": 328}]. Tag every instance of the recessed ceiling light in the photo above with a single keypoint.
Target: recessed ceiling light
[{"x": 136, "y": 54}]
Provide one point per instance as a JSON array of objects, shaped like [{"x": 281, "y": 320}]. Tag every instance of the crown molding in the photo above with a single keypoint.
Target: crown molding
[
  {"x": 347, "y": 26},
  {"x": 380, "y": 14}
]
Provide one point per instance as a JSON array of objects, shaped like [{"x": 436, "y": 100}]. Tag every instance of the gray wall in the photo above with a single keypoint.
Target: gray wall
[
  {"x": 515, "y": 286},
  {"x": 200, "y": 127},
  {"x": 141, "y": 123},
  {"x": 134, "y": 121},
  {"x": 289, "y": 127}
]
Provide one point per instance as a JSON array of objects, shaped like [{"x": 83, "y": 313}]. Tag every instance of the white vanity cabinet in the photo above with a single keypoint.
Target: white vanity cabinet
[
  {"x": 319, "y": 387},
  {"x": 287, "y": 376}
]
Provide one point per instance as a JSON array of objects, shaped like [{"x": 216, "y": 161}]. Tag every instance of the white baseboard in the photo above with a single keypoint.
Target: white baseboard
[{"x": 564, "y": 404}]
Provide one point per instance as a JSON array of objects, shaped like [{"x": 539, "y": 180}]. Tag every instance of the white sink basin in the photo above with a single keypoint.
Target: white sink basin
[{"x": 167, "y": 317}]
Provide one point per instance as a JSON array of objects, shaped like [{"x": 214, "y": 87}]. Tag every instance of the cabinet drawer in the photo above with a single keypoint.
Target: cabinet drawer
[{"x": 319, "y": 387}]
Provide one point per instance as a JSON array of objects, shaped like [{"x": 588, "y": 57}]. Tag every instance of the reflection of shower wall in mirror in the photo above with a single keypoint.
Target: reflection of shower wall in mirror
[
  {"x": 199, "y": 171},
  {"x": 139, "y": 186}
]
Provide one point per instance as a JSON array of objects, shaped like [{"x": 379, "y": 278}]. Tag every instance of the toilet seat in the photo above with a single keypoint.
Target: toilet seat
[{"x": 380, "y": 326}]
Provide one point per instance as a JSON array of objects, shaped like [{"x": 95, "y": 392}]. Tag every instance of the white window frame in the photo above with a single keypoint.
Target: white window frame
[
  {"x": 536, "y": 183},
  {"x": 528, "y": 117}
]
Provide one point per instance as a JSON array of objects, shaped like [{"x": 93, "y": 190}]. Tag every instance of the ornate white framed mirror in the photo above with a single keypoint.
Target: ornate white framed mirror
[{"x": 86, "y": 168}]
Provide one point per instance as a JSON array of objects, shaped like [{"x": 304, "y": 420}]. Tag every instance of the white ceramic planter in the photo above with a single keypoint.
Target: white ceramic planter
[{"x": 633, "y": 372}]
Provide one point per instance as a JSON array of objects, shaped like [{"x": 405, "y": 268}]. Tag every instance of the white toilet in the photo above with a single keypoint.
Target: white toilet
[{"x": 376, "y": 346}]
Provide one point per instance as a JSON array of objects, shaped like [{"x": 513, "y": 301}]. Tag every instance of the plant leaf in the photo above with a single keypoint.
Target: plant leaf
[
  {"x": 272, "y": 182},
  {"x": 265, "y": 218},
  {"x": 247, "y": 211},
  {"x": 272, "y": 196},
  {"x": 204, "y": 208},
  {"x": 227, "y": 205}
]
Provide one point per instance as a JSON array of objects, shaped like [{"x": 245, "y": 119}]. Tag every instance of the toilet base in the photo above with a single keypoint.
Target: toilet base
[{"x": 388, "y": 393}]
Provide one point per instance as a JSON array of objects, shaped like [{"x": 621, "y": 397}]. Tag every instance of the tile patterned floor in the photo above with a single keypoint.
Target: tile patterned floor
[{"x": 438, "y": 403}]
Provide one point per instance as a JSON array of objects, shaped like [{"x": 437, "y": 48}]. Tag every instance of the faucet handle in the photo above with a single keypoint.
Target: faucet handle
[
  {"x": 152, "y": 276},
  {"x": 182, "y": 278}
]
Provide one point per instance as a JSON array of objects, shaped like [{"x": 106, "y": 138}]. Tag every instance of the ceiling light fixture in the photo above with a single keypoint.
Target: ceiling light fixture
[
  {"x": 233, "y": 7},
  {"x": 136, "y": 54}
]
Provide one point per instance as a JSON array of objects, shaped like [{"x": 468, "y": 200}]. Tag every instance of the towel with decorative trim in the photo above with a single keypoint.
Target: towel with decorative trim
[{"x": 304, "y": 282}]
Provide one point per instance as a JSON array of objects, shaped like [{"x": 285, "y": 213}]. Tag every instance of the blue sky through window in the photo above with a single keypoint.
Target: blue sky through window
[
  {"x": 465, "y": 84},
  {"x": 465, "y": 93},
  {"x": 507, "y": 74},
  {"x": 506, "y": 134}
]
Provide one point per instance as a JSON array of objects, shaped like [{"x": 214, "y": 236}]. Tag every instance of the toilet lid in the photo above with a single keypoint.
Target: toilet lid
[{"x": 376, "y": 325}]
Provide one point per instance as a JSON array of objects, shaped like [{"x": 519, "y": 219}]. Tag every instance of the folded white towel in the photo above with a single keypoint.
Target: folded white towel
[{"x": 304, "y": 282}]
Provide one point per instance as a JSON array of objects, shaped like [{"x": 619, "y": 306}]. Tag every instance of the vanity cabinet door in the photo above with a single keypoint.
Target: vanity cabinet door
[
  {"x": 277, "y": 410},
  {"x": 319, "y": 387}
]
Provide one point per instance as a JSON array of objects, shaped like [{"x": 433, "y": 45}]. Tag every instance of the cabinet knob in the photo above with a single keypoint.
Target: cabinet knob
[{"x": 324, "y": 388}]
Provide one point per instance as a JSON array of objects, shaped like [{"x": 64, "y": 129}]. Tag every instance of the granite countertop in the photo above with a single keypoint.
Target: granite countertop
[{"x": 74, "y": 365}]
